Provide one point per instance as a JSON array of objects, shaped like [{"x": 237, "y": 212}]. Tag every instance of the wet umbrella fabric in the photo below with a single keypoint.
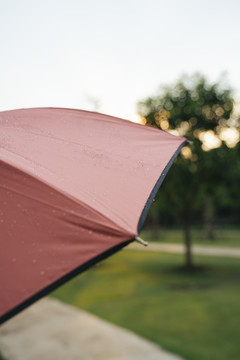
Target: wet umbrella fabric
[{"x": 75, "y": 186}]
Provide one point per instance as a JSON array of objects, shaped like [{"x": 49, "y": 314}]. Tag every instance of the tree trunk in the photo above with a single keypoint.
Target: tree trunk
[{"x": 188, "y": 242}]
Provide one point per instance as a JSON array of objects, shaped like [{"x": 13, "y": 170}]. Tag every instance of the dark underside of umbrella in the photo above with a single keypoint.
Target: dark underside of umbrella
[{"x": 75, "y": 187}]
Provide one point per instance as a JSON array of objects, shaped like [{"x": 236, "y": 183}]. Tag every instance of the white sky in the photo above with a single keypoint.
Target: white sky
[{"x": 75, "y": 53}]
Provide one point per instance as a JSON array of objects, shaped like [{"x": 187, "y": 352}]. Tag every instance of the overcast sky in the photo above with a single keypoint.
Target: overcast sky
[{"x": 106, "y": 55}]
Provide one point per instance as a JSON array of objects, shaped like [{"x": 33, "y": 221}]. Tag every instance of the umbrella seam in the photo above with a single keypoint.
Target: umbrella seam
[{"x": 74, "y": 199}]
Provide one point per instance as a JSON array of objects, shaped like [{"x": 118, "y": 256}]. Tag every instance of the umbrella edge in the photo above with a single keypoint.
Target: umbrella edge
[
  {"x": 63, "y": 280},
  {"x": 157, "y": 186}
]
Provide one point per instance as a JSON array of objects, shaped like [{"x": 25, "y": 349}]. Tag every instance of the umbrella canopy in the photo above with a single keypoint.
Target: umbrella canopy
[{"x": 75, "y": 186}]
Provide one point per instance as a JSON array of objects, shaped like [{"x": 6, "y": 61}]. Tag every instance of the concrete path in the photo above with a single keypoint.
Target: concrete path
[
  {"x": 180, "y": 249},
  {"x": 51, "y": 330}
]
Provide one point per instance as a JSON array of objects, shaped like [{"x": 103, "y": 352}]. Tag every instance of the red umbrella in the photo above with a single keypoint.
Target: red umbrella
[{"x": 75, "y": 187}]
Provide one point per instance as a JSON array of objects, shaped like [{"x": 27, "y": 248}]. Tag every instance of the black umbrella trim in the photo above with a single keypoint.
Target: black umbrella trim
[
  {"x": 156, "y": 188},
  {"x": 63, "y": 280}
]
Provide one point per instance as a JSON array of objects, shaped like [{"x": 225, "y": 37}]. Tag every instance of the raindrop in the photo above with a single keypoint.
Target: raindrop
[
  {"x": 14, "y": 260},
  {"x": 90, "y": 231},
  {"x": 34, "y": 261},
  {"x": 42, "y": 273}
]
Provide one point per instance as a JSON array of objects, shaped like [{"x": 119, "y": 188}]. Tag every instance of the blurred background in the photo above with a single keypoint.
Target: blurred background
[{"x": 173, "y": 65}]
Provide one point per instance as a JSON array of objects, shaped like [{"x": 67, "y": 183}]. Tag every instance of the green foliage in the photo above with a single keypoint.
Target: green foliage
[
  {"x": 202, "y": 105},
  {"x": 191, "y": 108},
  {"x": 192, "y": 314},
  {"x": 204, "y": 178}
]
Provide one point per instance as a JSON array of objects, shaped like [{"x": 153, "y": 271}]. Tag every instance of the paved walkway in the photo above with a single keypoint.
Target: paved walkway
[
  {"x": 51, "y": 330},
  {"x": 196, "y": 249}
]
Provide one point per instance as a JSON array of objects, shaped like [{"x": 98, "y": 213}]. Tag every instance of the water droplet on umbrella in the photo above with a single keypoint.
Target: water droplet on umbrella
[{"x": 42, "y": 273}]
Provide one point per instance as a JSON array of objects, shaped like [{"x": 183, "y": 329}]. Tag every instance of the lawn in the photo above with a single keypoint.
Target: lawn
[
  {"x": 229, "y": 236},
  {"x": 194, "y": 315}
]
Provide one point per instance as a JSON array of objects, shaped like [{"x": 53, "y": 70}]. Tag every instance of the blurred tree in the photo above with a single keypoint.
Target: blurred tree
[{"x": 203, "y": 113}]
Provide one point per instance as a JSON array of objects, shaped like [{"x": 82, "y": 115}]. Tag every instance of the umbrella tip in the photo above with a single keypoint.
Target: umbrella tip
[{"x": 141, "y": 241}]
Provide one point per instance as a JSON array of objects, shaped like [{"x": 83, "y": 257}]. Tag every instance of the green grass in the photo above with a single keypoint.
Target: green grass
[
  {"x": 194, "y": 315},
  {"x": 223, "y": 236}
]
